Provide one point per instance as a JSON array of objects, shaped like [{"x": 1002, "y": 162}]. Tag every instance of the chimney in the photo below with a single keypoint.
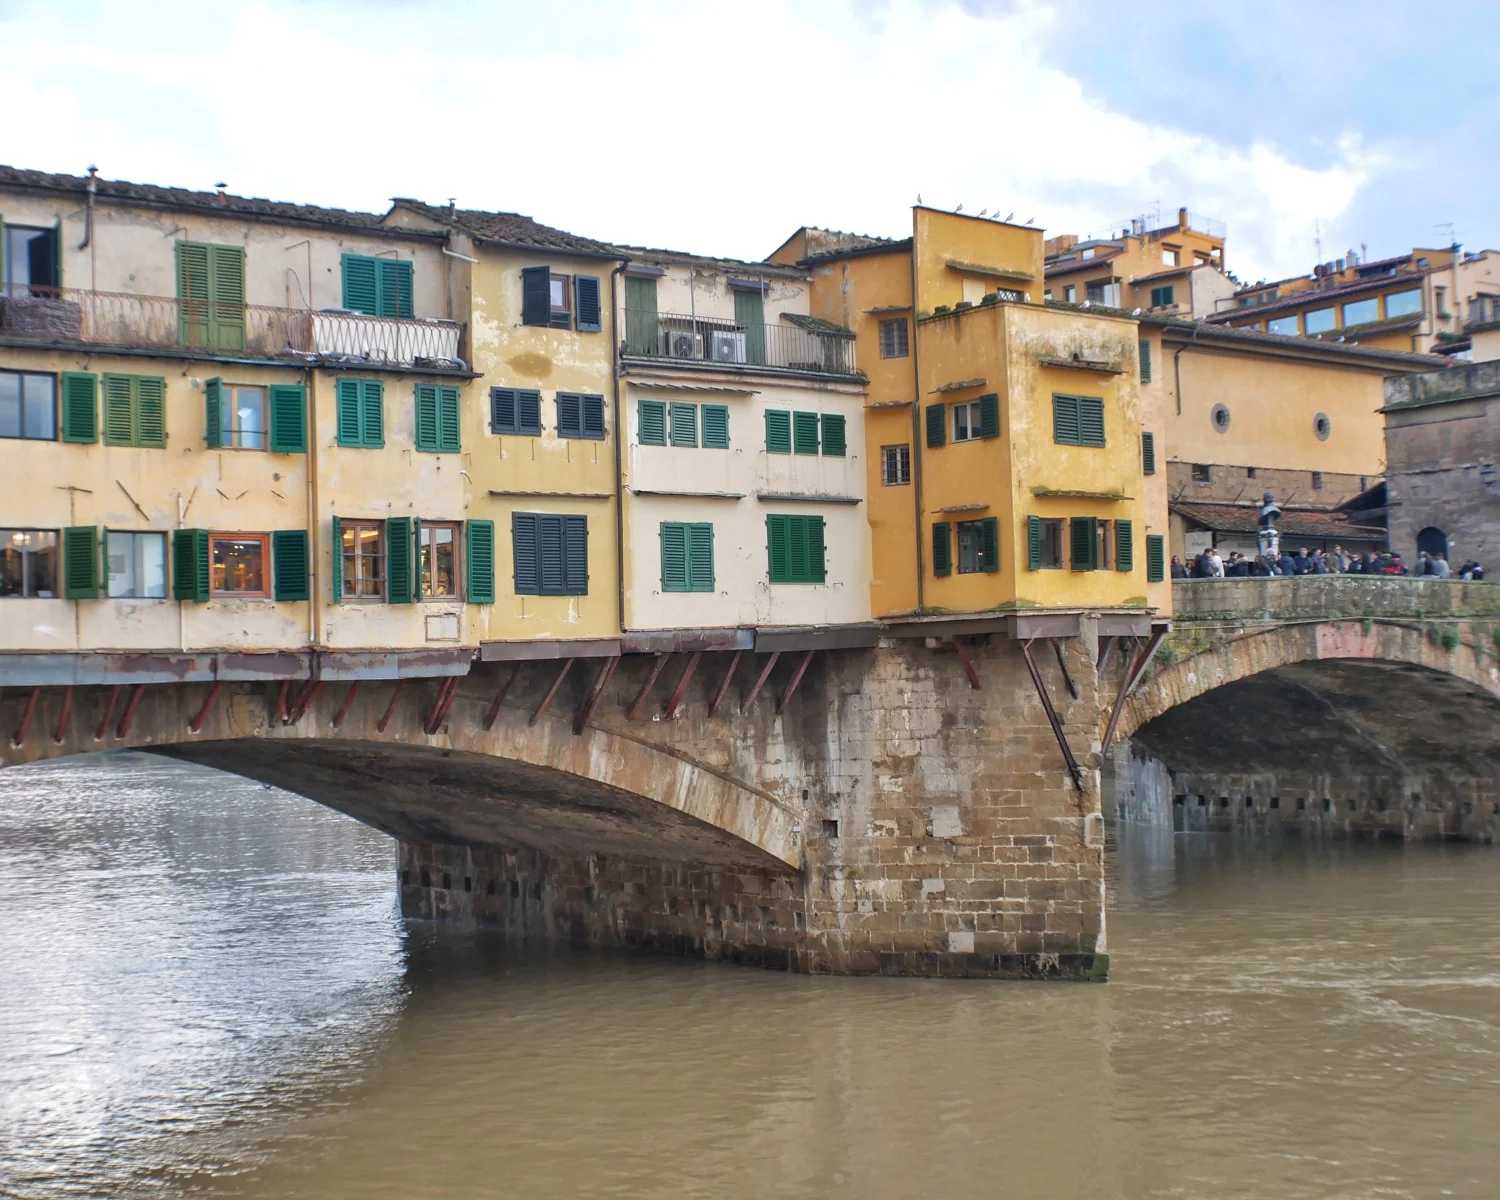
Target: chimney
[
  {"x": 1182, "y": 218},
  {"x": 219, "y": 187}
]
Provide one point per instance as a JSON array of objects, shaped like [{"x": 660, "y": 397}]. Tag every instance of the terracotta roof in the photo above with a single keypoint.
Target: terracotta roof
[
  {"x": 1425, "y": 362},
  {"x": 902, "y": 245},
  {"x": 655, "y": 254},
  {"x": 1066, "y": 268},
  {"x": 512, "y": 229},
  {"x": 1294, "y": 523},
  {"x": 1169, "y": 273},
  {"x": 817, "y": 325}
]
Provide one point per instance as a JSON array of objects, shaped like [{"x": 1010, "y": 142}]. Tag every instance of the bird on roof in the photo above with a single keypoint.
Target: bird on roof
[
  {"x": 983, "y": 211},
  {"x": 959, "y": 209},
  {"x": 919, "y": 197},
  {"x": 1135, "y": 312},
  {"x": 1009, "y": 215},
  {"x": 1029, "y": 220}
]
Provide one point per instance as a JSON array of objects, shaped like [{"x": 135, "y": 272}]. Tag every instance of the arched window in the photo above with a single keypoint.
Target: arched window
[{"x": 1432, "y": 540}]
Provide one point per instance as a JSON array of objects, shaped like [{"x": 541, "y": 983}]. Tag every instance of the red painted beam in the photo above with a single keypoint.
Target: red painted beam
[
  {"x": 551, "y": 692},
  {"x": 760, "y": 682},
  {"x": 633, "y": 713},
  {"x": 123, "y": 728},
  {"x": 586, "y": 710},
  {"x": 304, "y": 698},
  {"x": 202, "y": 715},
  {"x": 281, "y": 700},
  {"x": 1133, "y": 673},
  {"x": 796, "y": 679},
  {"x": 724, "y": 687},
  {"x": 61, "y": 731},
  {"x": 109, "y": 713},
  {"x": 494, "y": 710},
  {"x": 963, "y": 657},
  {"x": 390, "y": 709},
  {"x": 441, "y": 705},
  {"x": 682, "y": 685},
  {"x": 338, "y": 717},
  {"x": 20, "y": 738}
]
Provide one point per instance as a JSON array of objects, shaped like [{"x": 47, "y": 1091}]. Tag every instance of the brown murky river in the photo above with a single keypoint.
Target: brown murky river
[{"x": 205, "y": 990}]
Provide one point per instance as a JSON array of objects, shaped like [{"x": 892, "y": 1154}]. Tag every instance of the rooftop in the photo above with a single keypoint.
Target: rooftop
[
  {"x": 511, "y": 229},
  {"x": 1293, "y": 522}
]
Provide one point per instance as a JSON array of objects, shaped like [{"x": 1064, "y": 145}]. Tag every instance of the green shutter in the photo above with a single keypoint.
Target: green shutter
[
  {"x": 1124, "y": 546},
  {"x": 536, "y": 295},
  {"x": 361, "y": 286},
  {"x": 989, "y": 415},
  {"x": 192, "y": 293},
  {"x": 1065, "y": 420},
  {"x": 989, "y": 530},
  {"x": 834, "y": 435},
  {"x": 652, "y": 418},
  {"x": 700, "y": 557},
  {"x": 1145, "y": 361},
  {"x": 674, "y": 557},
  {"x": 1090, "y": 421},
  {"x": 348, "y": 394},
  {"x": 642, "y": 332},
  {"x": 777, "y": 549},
  {"x": 942, "y": 548},
  {"x": 150, "y": 403},
  {"x": 479, "y": 559},
  {"x": 427, "y": 416},
  {"x": 119, "y": 420},
  {"x": 683, "y": 424},
  {"x": 289, "y": 574},
  {"x": 372, "y": 413},
  {"x": 80, "y": 407},
  {"x": 336, "y": 575},
  {"x": 804, "y": 427},
  {"x": 393, "y": 277},
  {"x": 226, "y": 314},
  {"x": 778, "y": 431},
  {"x": 288, "y": 418},
  {"x": 716, "y": 427},
  {"x": 400, "y": 575},
  {"x": 586, "y": 303},
  {"x": 80, "y": 546},
  {"x": 1156, "y": 558},
  {"x": 1148, "y": 454},
  {"x": 937, "y": 424},
  {"x": 448, "y": 420},
  {"x": 817, "y": 556},
  {"x": 1083, "y": 536},
  {"x": 750, "y": 314},
  {"x": 190, "y": 564},
  {"x": 213, "y": 413},
  {"x": 1034, "y": 543}
]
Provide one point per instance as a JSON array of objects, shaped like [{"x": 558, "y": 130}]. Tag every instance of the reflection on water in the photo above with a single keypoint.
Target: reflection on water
[{"x": 208, "y": 991}]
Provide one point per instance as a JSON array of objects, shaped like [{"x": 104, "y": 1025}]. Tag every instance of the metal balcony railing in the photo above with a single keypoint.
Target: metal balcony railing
[
  {"x": 681, "y": 337},
  {"x": 72, "y": 315}
]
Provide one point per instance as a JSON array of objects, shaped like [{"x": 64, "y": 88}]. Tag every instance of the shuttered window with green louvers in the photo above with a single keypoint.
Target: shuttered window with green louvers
[
  {"x": 135, "y": 410},
  {"x": 80, "y": 546},
  {"x": 1156, "y": 558},
  {"x": 989, "y": 415},
  {"x": 361, "y": 412},
  {"x": 479, "y": 561},
  {"x": 1148, "y": 454},
  {"x": 1090, "y": 421},
  {"x": 1034, "y": 543},
  {"x": 580, "y": 415},
  {"x": 834, "y": 435},
  {"x": 400, "y": 561},
  {"x": 1145, "y": 361},
  {"x": 682, "y": 421},
  {"x": 687, "y": 556},
  {"x": 651, "y": 417},
  {"x": 778, "y": 431},
  {"x": 288, "y": 405},
  {"x": 550, "y": 554},
  {"x": 1083, "y": 542},
  {"x": 937, "y": 424},
  {"x": 586, "y": 305},
  {"x": 1078, "y": 420},
  {"x": 942, "y": 548},
  {"x": 290, "y": 577},
  {"x": 715, "y": 427},
  {"x": 795, "y": 549},
  {"x": 437, "y": 418},
  {"x": 989, "y": 545},
  {"x": 190, "y": 564},
  {"x": 378, "y": 287},
  {"x": 516, "y": 410},
  {"x": 804, "y": 431},
  {"x": 211, "y": 295},
  {"x": 1124, "y": 546},
  {"x": 80, "y": 407},
  {"x": 1065, "y": 420}
]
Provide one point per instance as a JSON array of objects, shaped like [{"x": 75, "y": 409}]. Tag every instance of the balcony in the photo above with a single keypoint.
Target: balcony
[
  {"x": 1484, "y": 312},
  {"x": 720, "y": 341},
  {"x": 121, "y": 320}
]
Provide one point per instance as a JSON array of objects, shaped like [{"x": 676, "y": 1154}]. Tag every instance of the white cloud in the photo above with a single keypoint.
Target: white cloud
[{"x": 701, "y": 125}]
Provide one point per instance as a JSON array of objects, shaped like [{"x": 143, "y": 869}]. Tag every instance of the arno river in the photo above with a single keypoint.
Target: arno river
[{"x": 206, "y": 990}]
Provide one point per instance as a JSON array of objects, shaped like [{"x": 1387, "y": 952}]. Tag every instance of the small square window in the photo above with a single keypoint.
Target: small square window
[
  {"x": 1053, "y": 556},
  {"x": 1169, "y": 256},
  {"x": 242, "y": 417},
  {"x": 28, "y": 562},
  {"x": 966, "y": 420},
  {"x": 1202, "y": 473},
  {"x": 363, "y": 547},
  {"x": 895, "y": 465},
  {"x": 1317, "y": 481},
  {"x": 894, "y": 340},
  {"x": 28, "y": 405},
  {"x": 137, "y": 564},
  {"x": 1249, "y": 472},
  {"x": 439, "y": 560},
  {"x": 238, "y": 564},
  {"x": 1069, "y": 293},
  {"x": 562, "y": 292}
]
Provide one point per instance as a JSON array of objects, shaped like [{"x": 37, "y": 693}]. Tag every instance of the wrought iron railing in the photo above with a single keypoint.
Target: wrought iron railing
[
  {"x": 687, "y": 338},
  {"x": 72, "y": 315}
]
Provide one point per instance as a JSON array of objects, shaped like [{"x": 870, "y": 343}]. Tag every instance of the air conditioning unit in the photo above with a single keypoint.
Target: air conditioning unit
[
  {"x": 729, "y": 347},
  {"x": 677, "y": 344}
]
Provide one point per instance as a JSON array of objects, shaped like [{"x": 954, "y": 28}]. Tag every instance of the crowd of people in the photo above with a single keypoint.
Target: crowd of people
[{"x": 1210, "y": 565}]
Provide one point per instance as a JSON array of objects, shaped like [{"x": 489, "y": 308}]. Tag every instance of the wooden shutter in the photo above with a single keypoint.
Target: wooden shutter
[
  {"x": 119, "y": 420},
  {"x": 942, "y": 548},
  {"x": 817, "y": 564},
  {"x": 652, "y": 418},
  {"x": 778, "y": 431},
  {"x": 586, "y": 306},
  {"x": 523, "y": 538},
  {"x": 1148, "y": 454},
  {"x": 1083, "y": 537},
  {"x": 80, "y": 407},
  {"x": 192, "y": 293},
  {"x": 937, "y": 424},
  {"x": 213, "y": 413},
  {"x": 642, "y": 331},
  {"x": 1090, "y": 421},
  {"x": 700, "y": 557},
  {"x": 1034, "y": 543},
  {"x": 190, "y": 564},
  {"x": 528, "y": 412},
  {"x": 989, "y": 415},
  {"x": 593, "y": 417},
  {"x": 479, "y": 561},
  {"x": 834, "y": 443},
  {"x": 569, "y": 415},
  {"x": 796, "y": 550},
  {"x": 361, "y": 285},
  {"x": 226, "y": 269},
  {"x": 549, "y": 554},
  {"x": 372, "y": 412},
  {"x": 1145, "y": 361},
  {"x": 336, "y": 574},
  {"x": 674, "y": 557},
  {"x": 576, "y": 555},
  {"x": 288, "y": 418},
  {"x": 393, "y": 278},
  {"x": 1124, "y": 546},
  {"x": 448, "y": 419},
  {"x": 683, "y": 424},
  {"x": 150, "y": 405},
  {"x": 536, "y": 296},
  {"x": 750, "y": 313},
  {"x": 776, "y": 548},
  {"x": 347, "y": 403},
  {"x": 502, "y": 410},
  {"x": 1156, "y": 558},
  {"x": 80, "y": 547},
  {"x": 289, "y": 574},
  {"x": 400, "y": 570},
  {"x": 989, "y": 544},
  {"x": 427, "y": 416},
  {"x": 716, "y": 426},
  {"x": 1065, "y": 420},
  {"x": 804, "y": 429}
]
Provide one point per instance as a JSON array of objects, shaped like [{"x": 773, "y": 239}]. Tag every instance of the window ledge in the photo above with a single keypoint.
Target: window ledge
[
  {"x": 1081, "y": 364},
  {"x": 691, "y": 495},
  {"x": 1077, "y": 494},
  {"x": 964, "y": 508},
  {"x": 806, "y": 498},
  {"x": 959, "y": 386}
]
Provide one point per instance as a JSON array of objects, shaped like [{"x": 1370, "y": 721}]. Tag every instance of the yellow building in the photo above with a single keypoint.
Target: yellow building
[{"x": 1175, "y": 270}]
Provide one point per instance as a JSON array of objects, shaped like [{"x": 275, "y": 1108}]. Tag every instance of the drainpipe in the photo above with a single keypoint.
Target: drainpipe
[
  {"x": 614, "y": 315},
  {"x": 314, "y": 575},
  {"x": 916, "y": 426},
  {"x": 1177, "y": 364},
  {"x": 88, "y": 224}
]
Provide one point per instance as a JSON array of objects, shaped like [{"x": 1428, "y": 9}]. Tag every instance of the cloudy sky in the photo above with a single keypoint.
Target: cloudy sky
[{"x": 721, "y": 126}]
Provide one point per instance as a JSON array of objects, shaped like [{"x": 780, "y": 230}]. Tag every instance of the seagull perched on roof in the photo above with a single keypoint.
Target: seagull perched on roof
[
  {"x": 1009, "y": 215},
  {"x": 919, "y": 197},
  {"x": 959, "y": 209},
  {"x": 1135, "y": 312},
  {"x": 983, "y": 211}
]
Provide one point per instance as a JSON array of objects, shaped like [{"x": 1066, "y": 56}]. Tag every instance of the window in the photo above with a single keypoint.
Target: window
[
  {"x": 750, "y": 316},
  {"x": 361, "y": 412},
  {"x": 28, "y": 406},
  {"x": 1145, "y": 361},
  {"x": 547, "y": 299},
  {"x": 28, "y": 563},
  {"x": 682, "y": 424},
  {"x": 1285, "y": 326},
  {"x": 242, "y": 416},
  {"x": 1169, "y": 256},
  {"x": 1089, "y": 252},
  {"x": 1156, "y": 558},
  {"x": 362, "y": 551},
  {"x": 687, "y": 557},
  {"x": 250, "y": 418},
  {"x": 1069, "y": 293},
  {"x": 378, "y": 287},
  {"x": 559, "y": 296},
  {"x": 778, "y": 431},
  {"x": 1318, "y": 320},
  {"x": 895, "y": 465},
  {"x": 438, "y": 556},
  {"x": 642, "y": 328},
  {"x": 134, "y": 410},
  {"x": 1250, "y": 472},
  {"x": 437, "y": 418},
  {"x": 1440, "y": 301},
  {"x": 1161, "y": 297},
  {"x": 979, "y": 546},
  {"x": 1317, "y": 481},
  {"x": 551, "y": 554},
  {"x": 651, "y": 423},
  {"x": 32, "y": 260},
  {"x": 1104, "y": 291},
  {"x": 715, "y": 427},
  {"x": 1078, "y": 420},
  {"x": 237, "y": 564},
  {"x": 795, "y": 549},
  {"x": 1084, "y": 543},
  {"x": 1148, "y": 454},
  {"x": 1402, "y": 304},
  {"x": 894, "y": 338},
  {"x": 966, "y": 421},
  {"x": 137, "y": 564},
  {"x": 580, "y": 415},
  {"x": 805, "y": 432},
  {"x": 1104, "y": 549},
  {"x": 211, "y": 295},
  {"x": 660, "y": 424},
  {"x": 1203, "y": 473},
  {"x": 1044, "y": 538},
  {"x": 1357, "y": 312}
]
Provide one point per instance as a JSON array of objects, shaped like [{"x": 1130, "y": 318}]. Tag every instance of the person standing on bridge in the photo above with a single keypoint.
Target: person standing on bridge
[
  {"x": 1178, "y": 570},
  {"x": 1440, "y": 567},
  {"x": 1284, "y": 564}
]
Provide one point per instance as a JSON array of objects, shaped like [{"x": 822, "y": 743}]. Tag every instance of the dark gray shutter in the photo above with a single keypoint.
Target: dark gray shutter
[
  {"x": 1124, "y": 546},
  {"x": 1083, "y": 538},
  {"x": 989, "y": 415},
  {"x": 1145, "y": 361},
  {"x": 1090, "y": 421},
  {"x": 529, "y": 412},
  {"x": 989, "y": 543},
  {"x": 523, "y": 537},
  {"x": 1065, "y": 420},
  {"x": 593, "y": 416},
  {"x": 502, "y": 410},
  {"x": 937, "y": 424},
  {"x": 1034, "y": 543},
  {"x": 536, "y": 296},
  {"x": 576, "y": 555},
  {"x": 1156, "y": 558},
  {"x": 942, "y": 548},
  {"x": 1148, "y": 454},
  {"x": 586, "y": 303},
  {"x": 569, "y": 415}
]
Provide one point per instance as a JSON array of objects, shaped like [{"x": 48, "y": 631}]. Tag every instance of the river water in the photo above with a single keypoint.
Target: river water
[{"x": 206, "y": 990}]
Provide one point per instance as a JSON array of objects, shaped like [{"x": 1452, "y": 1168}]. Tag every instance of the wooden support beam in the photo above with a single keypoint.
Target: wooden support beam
[
  {"x": 552, "y": 691},
  {"x": 19, "y": 739},
  {"x": 109, "y": 713},
  {"x": 1057, "y": 729},
  {"x": 304, "y": 698},
  {"x": 208, "y": 702},
  {"x": 963, "y": 657},
  {"x": 682, "y": 685},
  {"x": 791, "y": 689},
  {"x": 281, "y": 694},
  {"x": 440, "y": 706},
  {"x": 494, "y": 709},
  {"x": 1133, "y": 673},
  {"x": 633, "y": 713},
  {"x": 123, "y": 728},
  {"x": 63, "y": 717},
  {"x": 390, "y": 709},
  {"x": 338, "y": 717},
  {"x": 760, "y": 682},
  {"x": 1062, "y": 665},
  {"x": 596, "y": 693},
  {"x": 724, "y": 687}
]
